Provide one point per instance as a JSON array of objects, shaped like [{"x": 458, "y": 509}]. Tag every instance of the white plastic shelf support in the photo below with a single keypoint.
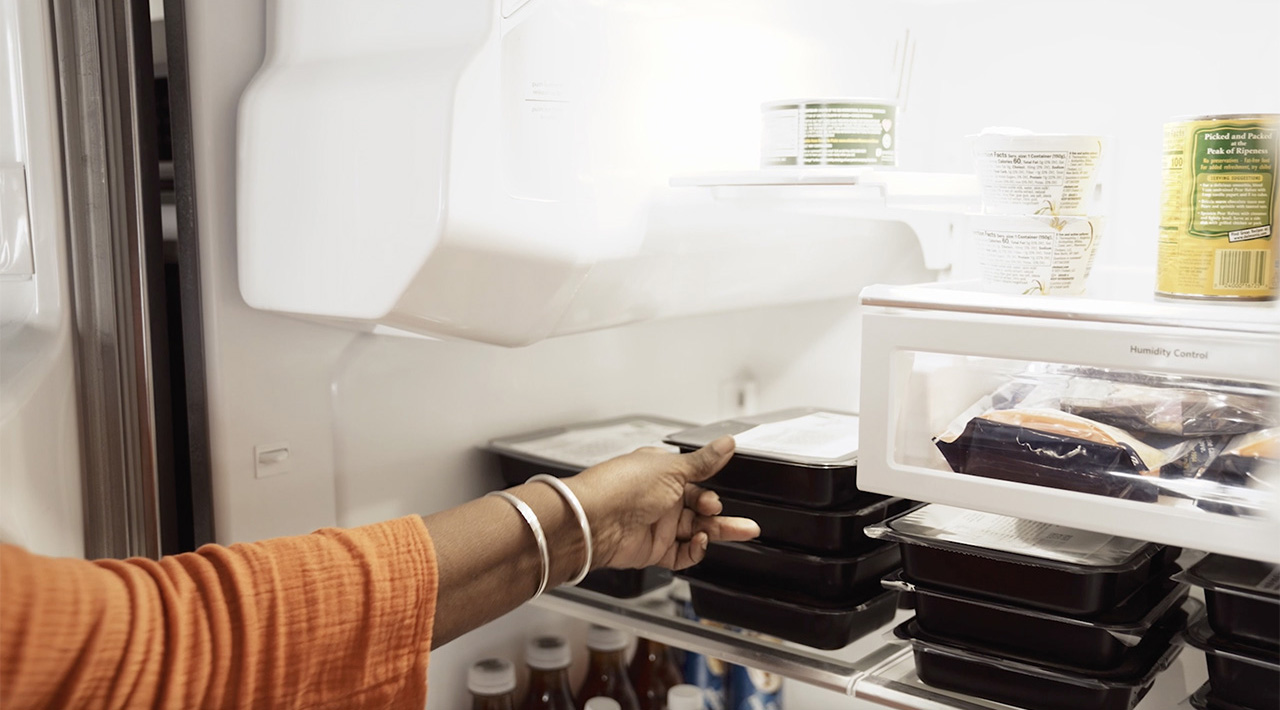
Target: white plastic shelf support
[{"x": 930, "y": 204}]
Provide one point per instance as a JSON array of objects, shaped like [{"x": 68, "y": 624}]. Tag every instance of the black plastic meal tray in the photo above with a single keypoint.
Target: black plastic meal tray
[
  {"x": 797, "y": 577},
  {"x": 517, "y": 467},
  {"x": 627, "y": 583},
  {"x": 1101, "y": 643},
  {"x": 1023, "y": 455},
  {"x": 1032, "y": 582},
  {"x": 1032, "y": 686},
  {"x": 806, "y": 485},
  {"x": 1243, "y": 605},
  {"x": 1238, "y": 674},
  {"x": 1203, "y": 699},
  {"x": 821, "y": 532},
  {"x": 824, "y": 627}
]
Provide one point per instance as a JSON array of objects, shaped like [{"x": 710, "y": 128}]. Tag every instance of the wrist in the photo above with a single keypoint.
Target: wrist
[
  {"x": 603, "y": 517},
  {"x": 566, "y": 549}
]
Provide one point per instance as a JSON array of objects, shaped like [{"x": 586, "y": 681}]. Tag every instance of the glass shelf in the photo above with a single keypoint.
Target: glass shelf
[
  {"x": 833, "y": 670},
  {"x": 873, "y": 669}
]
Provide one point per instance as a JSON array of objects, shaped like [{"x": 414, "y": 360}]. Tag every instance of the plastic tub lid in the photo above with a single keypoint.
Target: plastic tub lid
[
  {"x": 1200, "y": 635},
  {"x": 802, "y": 436},
  {"x": 1233, "y": 575},
  {"x": 491, "y": 676},
  {"x": 1133, "y": 672},
  {"x": 1012, "y": 539},
  {"x": 1118, "y": 622},
  {"x": 585, "y": 445}
]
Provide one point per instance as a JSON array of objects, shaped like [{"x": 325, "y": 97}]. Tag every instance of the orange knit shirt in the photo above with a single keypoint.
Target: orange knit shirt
[{"x": 335, "y": 619}]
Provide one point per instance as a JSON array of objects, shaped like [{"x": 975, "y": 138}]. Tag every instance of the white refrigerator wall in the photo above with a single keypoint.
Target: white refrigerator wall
[
  {"x": 40, "y": 487},
  {"x": 377, "y": 426}
]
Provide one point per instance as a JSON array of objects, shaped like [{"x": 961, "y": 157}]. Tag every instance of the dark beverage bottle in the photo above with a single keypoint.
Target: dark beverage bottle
[
  {"x": 607, "y": 669},
  {"x": 653, "y": 669},
  {"x": 548, "y": 658},
  {"x": 492, "y": 683}
]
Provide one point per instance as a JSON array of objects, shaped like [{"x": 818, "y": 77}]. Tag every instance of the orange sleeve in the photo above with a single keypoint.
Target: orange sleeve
[{"x": 334, "y": 619}]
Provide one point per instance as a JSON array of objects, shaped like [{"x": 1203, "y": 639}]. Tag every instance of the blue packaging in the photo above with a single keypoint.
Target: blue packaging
[{"x": 751, "y": 689}]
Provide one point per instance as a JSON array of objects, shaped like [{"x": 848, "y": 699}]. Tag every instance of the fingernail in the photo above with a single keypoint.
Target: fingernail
[
  {"x": 703, "y": 541},
  {"x": 723, "y": 445}
]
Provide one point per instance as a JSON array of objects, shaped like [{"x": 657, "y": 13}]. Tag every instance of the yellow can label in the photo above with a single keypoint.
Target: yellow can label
[{"x": 1218, "y": 209}]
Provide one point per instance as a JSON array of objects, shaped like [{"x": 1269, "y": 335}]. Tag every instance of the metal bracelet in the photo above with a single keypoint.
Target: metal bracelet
[
  {"x": 565, "y": 492},
  {"x": 538, "y": 535}
]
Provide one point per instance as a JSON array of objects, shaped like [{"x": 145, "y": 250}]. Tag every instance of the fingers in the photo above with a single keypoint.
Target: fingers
[
  {"x": 688, "y": 554},
  {"x": 725, "y": 529},
  {"x": 707, "y": 461},
  {"x": 701, "y": 500}
]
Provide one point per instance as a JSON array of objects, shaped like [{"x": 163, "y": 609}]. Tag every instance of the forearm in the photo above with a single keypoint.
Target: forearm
[{"x": 489, "y": 562}]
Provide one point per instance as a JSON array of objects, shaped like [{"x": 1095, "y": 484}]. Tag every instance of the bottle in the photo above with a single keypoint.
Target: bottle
[
  {"x": 684, "y": 697},
  {"x": 607, "y": 669},
  {"x": 492, "y": 683},
  {"x": 653, "y": 670},
  {"x": 548, "y": 658}
]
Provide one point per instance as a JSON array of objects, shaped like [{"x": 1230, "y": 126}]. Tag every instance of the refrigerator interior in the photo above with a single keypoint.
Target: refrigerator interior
[{"x": 377, "y": 426}]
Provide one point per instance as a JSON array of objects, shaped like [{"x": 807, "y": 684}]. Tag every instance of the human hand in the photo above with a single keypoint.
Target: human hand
[{"x": 646, "y": 508}]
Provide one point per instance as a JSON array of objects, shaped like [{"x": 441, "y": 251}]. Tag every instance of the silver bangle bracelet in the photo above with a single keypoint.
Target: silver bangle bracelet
[
  {"x": 538, "y": 535},
  {"x": 565, "y": 492}
]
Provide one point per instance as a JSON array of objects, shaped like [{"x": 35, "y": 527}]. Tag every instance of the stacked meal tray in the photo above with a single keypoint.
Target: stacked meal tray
[
  {"x": 812, "y": 577},
  {"x": 1038, "y": 616},
  {"x": 564, "y": 451},
  {"x": 1240, "y": 636}
]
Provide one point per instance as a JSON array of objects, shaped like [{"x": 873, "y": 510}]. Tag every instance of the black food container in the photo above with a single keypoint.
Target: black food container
[
  {"x": 1203, "y": 699},
  {"x": 1022, "y": 562},
  {"x": 1239, "y": 675},
  {"x": 797, "y": 577},
  {"x": 1101, "y": 643},
  {"x": 812, "y": 461},
  {"x": 564, "y": 451},
  {"x": 820, "y": 532},
  {"x": 1243, "y": 597},
  {"x": 824, "y": 627},
  {"x": 1033, "y": 686}
]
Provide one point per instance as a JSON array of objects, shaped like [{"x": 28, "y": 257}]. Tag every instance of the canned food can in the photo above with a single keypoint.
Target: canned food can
[
  {"x": 832, "y": 132},
  {"x": 1219, "y": 207}
]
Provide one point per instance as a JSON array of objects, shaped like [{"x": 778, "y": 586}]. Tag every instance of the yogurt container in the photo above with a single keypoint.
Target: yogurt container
[
  {"x": 831, "y": 131},
  {"x": 1034, "y": 254},
  {"x": 1029, "y": 173}
]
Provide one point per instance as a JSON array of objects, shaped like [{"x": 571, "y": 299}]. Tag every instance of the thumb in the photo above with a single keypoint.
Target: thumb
[{"x": 707, "y": 461}]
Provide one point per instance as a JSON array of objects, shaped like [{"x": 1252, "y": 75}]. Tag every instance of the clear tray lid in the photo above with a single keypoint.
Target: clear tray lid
[
  {"x": 803, "y": 436},
  {"x": 580, "y": 446},
  {"x": 1135, "y": 672},
  {"x": 1012, "y": 539},
  {"x": 1233, "y": 575},
  {"x": 1200, "y": 635},
  {"x": 1128, "y": 623}
]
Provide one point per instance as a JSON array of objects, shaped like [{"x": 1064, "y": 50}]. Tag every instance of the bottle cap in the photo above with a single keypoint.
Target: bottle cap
[
  {"x": 684, "y": 697},
  {"x": 602, "y": 703},
  {"x": 603, "y": 638},
  {"x": 547, "y": 653},
  {"x": 492, "y": 676}
]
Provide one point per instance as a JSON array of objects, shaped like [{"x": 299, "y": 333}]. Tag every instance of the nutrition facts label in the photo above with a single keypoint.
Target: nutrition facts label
[
  {"x": 1026, "y": 537},
  {"x": 1050, "y": 181}
]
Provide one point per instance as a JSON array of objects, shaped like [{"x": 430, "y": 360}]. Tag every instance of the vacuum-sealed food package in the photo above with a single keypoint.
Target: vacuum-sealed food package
[
  {"x": 1022, "y": 562},
  {"x": 1249, "y": 461},
  {"x": 1055, "y": 449},
  {"x": 803, "y": 456},
  {"x": 1177, "y": 411}
]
